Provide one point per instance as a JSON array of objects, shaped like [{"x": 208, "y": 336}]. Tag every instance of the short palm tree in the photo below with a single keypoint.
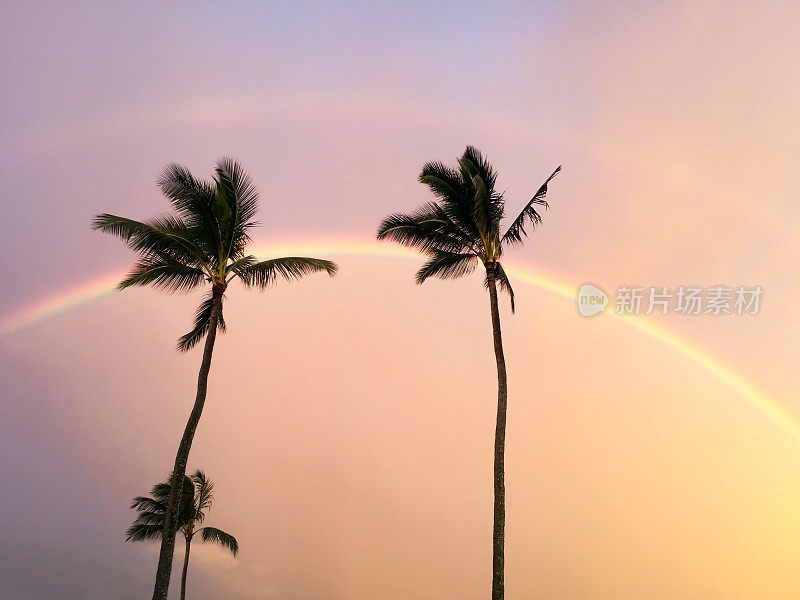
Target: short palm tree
[
  {"x": 203, "y": 243},
  {"x": 457, "y": 232},
  {"x": 196, "y": 497}
]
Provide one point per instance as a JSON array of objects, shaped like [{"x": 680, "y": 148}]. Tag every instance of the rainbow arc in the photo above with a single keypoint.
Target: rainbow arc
[{"x": 101, "y": 286}]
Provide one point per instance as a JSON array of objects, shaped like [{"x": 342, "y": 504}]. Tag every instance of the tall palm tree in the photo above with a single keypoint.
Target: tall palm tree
[
  {"x": 457, "y": 232},
  {"x": 196, "y": 497},
  {"x": 202, "y": 243}
]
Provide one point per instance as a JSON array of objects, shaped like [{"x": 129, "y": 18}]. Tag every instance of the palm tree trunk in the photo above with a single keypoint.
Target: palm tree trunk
[
  {"x": 185, "y": 568},
  {"x": 170, "y": 524},
  {"x": 498, "y": 536}
]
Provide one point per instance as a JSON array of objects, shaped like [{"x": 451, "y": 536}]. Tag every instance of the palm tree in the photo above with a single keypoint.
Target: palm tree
[
  {"x": 457, "y": 232},
  {"x": 196, "y": 496},
  {"x": 202, "y": 242}
]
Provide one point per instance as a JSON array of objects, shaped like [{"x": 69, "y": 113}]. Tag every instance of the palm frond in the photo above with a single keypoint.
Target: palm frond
[
  {"x": 165, "y": 236},
  {"x": 194, "y": 201},
  {"x": 240, "y": 264},
  {"x": 487, "y": 205},
  {"x": 204, "y": 495},
  {"x": 145, "y": 504},
  {"x": 516, "y": 231},
  {"x": 139, "y": 532},
  {"x": 503, "y": 283},
  {"x": 458, "y": 222},
  {"x": 447, "y": 265},
  {"x": 217, "y": 536},
  {"x": 444, "y": 182},
  {"x": 482, "y": 199},
  {"x": 164, "y": 274},
  {"x": 265, "y": 273},
  {"x": 161, "y": 491},
  {"x": 240, "y": 197},
  {"x": 455, "y": 199},
  {"x": 151, "y": 518},
  {"x": 428, "y": 228},
  {"x": 473, "y": 163},
  {"x": 202, "y": 321}
]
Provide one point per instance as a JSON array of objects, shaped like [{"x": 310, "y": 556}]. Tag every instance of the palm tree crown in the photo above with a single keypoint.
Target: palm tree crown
[
  {"x": 463, "y": 226},
  {"x": 203, "y": 241},
  {"x": 197, "y": 496}
]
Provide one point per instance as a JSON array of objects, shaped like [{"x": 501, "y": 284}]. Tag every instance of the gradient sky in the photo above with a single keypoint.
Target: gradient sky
[{"x": 349, "y": 421}]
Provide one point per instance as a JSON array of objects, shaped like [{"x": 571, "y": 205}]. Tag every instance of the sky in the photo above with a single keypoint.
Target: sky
[{"x": 349, "y": 421}]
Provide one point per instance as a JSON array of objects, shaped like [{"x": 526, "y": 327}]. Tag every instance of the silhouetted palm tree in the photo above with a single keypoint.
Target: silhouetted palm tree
[
  {"x": 204, "y": 241},
  {"x": 458, "y": 231},
  {"x": 196, "y": 497}
]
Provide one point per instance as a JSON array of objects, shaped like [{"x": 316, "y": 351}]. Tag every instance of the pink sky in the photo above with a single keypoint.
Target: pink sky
[{"x": 349, "y": 421}]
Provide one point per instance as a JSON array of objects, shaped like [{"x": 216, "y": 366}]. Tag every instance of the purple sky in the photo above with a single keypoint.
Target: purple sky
[{"x": 349, "y": 420}]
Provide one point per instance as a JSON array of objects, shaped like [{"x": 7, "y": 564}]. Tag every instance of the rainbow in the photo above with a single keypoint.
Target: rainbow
[{"x": 105, "y": 285}]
